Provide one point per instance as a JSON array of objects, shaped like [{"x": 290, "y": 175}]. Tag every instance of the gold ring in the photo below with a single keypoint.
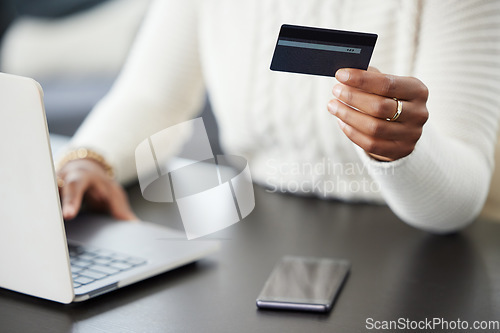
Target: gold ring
[
  {"x": 398, "y": 110},
  {"x": 60, "y": 182}
]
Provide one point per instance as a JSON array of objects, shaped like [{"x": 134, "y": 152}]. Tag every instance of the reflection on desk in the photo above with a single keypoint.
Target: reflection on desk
[{"x": 397, "y": 272}]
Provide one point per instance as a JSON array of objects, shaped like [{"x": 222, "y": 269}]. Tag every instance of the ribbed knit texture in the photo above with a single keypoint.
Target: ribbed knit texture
[{"x": 279, "y": 121}]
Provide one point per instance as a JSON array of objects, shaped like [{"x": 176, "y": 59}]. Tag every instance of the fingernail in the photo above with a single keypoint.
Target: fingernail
[
  {"x": 333, "y": 107},
  {"x": 68, "y": 211},
  {"x": 341, "y": 123},
  {"x": 342, "y": 75},
  {"x": 337, "y": 90}
]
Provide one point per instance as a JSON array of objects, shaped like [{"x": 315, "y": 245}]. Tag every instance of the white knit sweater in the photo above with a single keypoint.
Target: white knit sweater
[{"x": 279, "y": 121}]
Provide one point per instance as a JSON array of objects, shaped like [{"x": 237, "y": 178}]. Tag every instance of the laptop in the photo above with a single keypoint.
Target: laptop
[{"x": 42, "y": 256}]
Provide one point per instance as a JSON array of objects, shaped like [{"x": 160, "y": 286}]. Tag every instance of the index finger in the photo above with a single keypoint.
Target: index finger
[
  {"x": 72, "y": 195},
  {"x": 401, "y": 87}
]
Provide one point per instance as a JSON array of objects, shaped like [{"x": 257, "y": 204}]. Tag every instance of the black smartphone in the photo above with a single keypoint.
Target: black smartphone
[{"x": 304, "y": 283}]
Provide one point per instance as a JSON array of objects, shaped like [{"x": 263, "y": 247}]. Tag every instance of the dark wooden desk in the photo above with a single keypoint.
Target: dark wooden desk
[{"x": 397, "y": 272}]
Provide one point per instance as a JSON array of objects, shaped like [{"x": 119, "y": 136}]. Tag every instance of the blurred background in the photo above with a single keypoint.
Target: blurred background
[{"x": 76, "y": 48}]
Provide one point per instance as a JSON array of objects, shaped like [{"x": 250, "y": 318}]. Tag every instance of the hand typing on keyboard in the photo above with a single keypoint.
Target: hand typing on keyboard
[{"x": 84, "y": 178}]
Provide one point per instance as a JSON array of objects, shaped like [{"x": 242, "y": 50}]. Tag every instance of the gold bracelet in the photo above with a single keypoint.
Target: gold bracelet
[{"x": 84, "y": 153}]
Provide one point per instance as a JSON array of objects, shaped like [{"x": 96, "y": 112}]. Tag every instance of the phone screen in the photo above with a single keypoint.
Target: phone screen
[{"x": 303, "y": 283}]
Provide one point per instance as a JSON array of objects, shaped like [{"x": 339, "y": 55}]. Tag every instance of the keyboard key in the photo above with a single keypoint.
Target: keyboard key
[
  {"x": 102, "y": 260},
  {"x": 87, "y": 256},
  {"x": 136, "y": 261},
  {"x": 92, "y": 274},
  {"x": 104, "y": 269},
  {"x": 76, "y": 285},
  {"x": 75, "y": 269},
  {"x": 81, "y": 263},
  {"x": 120, "y": 257},
  {"x": 83, "y": 280},
  {"x": 121, "y": 265}
]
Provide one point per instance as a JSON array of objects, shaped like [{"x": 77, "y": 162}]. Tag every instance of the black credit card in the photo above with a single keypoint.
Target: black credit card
[{"x": 322, "y": 52}]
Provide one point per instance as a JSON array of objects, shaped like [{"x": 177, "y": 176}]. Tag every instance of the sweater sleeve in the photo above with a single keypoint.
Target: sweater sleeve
[
  {"x": 160, "y": 85},
  {"x": 442, "y": 185}
]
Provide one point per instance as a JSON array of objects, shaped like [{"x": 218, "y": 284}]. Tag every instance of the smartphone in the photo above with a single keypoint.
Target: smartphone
[{"x": 304, "y": 284}]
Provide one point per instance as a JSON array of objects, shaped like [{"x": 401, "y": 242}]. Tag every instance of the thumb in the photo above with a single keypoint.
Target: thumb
[
  {"x": 373, "y": 69},
  {"x": 119, "y": 206}
]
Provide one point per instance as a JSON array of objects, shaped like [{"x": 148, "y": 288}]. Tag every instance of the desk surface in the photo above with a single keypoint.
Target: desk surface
[{"x": 397, "y": 272}]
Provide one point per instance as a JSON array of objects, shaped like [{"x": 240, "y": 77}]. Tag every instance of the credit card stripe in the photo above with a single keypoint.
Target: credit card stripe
[
  {"x": 328, "y": 36},
  {"x": 316, "y": 46}
]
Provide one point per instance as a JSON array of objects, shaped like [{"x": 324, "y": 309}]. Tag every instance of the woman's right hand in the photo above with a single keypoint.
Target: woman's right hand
[{"x": 85, "y": 179}]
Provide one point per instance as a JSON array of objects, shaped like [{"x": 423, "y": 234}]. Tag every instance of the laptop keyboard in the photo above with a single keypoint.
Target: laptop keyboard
[{"x": 90, "y": 264}]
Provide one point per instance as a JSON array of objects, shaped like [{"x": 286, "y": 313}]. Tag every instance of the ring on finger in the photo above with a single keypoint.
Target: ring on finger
[
  {"x": 399, "y": 109},
  {"x": 60, "y": 182}
]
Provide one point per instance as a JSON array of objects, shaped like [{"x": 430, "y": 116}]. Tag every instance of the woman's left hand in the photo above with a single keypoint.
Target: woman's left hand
[{"x": 365, "y": 100}]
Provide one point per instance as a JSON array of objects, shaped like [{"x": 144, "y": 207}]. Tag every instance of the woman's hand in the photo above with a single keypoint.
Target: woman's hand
[
  {"x": 365, "y": 100},
  {"x": 84, "y": 179}
]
